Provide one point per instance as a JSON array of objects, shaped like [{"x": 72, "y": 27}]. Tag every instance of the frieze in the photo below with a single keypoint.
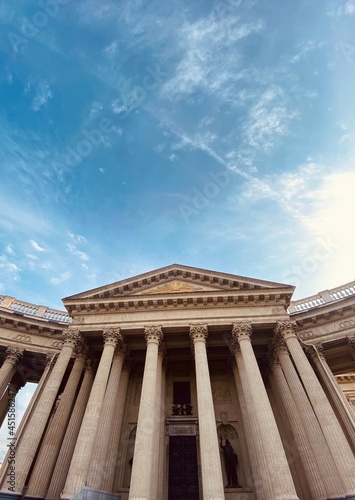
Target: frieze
[
  {"x": 344, "y": 325},
  {"x": 23, "y": 338}
]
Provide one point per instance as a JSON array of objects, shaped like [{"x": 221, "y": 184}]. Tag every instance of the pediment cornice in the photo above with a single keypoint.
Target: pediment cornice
[{"x": 177, "y": 279}]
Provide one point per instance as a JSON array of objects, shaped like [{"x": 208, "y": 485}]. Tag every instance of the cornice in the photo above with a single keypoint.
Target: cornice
[
  {"x": 189, "y": 274},
  {"x": 30, "y": 325},
  {"x": 202, "y": 300}
]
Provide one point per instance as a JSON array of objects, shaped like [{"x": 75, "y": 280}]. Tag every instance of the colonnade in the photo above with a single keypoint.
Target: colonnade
[{"x": 77, "y": 446}]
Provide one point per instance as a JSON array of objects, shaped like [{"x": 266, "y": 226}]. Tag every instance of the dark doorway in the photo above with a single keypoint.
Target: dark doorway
[
  {"x": 182, "y": 393},
  {"x": 183, "y": 475}
]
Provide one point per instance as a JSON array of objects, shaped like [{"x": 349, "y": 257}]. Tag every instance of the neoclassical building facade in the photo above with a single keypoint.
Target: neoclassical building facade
[{"x": 141, "y": 383}]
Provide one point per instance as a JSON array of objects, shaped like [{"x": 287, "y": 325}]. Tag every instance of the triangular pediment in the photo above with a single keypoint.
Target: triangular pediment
[{"x": 177, "y": 279}]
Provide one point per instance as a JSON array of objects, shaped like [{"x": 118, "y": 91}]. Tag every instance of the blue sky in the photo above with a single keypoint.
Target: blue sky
[{"x": 138, "y": 134}]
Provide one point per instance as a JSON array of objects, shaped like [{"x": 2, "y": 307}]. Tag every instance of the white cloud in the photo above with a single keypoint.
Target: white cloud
[
  {"x": 36, "y": 246},
  {"x": 43, "y": 93},
  {"x": 78, "y": 238},
  {"x": 62, "y": 277},
  {"x": 9, "y": 249},
  {"x": 111, "y": 49},
  {"x": 72, "y": 249},
  {"x": 209, "y": 58},
  {"x": 269, "y": 118}
]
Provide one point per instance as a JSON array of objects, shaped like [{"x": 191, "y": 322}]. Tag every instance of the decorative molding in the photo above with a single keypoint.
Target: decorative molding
[
  {"x": 241, "y": 331},
  {"x": 220, "y": 392},
  {"x": 153, "y": 333},
  {"x": 198, "y": 332}
]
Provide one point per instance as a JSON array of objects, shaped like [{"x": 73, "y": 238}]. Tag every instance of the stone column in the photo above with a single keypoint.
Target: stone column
[
  {"x": 212, "y": 479},
  {"x": 333, "y": 433},
  {"x": 273, "y": 455},
  {"x": 46, "y": 458},
  {"x": 249, "y": 427},
  {"x": 113, "y": 449},
  {"x": 162, "y": 438},
  {"x": 99, "y": 461},
  {"x": 79, "y": 467},
  {"x": 27, "y": 448},
  {"x": 13, "y": 388},
  {"x": 143, "y": 467},
  {"x": 336, "y": 394},
  {"x": 8, "y": 367},
  {"x": 315, "y": 481},
  {"x": 157, "y": 423},
  {"x": 326, "y": 466},
  {"x": 67, "y": 449}
]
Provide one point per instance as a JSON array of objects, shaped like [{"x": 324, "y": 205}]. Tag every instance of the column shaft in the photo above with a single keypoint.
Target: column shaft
[
  {"x": 99, "y": 461},
  {"x": 46, "y": 458},
  {"x": 162, "y": 439},
  {"x": 113, "y": 451},
  {"x": 26, "y": 450},
  {"x": 77, "y": 475},
  {"x": 8, "y": 367},
  {"x": 212, "y": 479},
  {"x": 333, "y": 433},
  {"x": 336, "y": 395},
  {"x": 310, "y": 466},
  {"x": 331, "y": 479},
  {"x": 157, "y": 424},
  {"x": 67, "y": 449},
  {"x": 273, "y": 452},
  {"x": 250, "y": 426},
  {"x": 142, "y": 466}
]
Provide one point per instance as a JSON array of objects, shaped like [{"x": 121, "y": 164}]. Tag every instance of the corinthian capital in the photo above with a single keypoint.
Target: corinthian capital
[
  {"x": 13, "y": 354},
  {"x": 153, "y": 333},
  {"x": 71, "y": 337},
  {"x": 286, "y": 329},
  {"x": 241, "y": 331},
  {"x": 112, "y": 336},
  {"x": 198, "y": 332}
]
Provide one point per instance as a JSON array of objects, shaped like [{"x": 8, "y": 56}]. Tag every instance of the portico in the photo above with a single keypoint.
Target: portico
[{"x": 155, "y": 369}]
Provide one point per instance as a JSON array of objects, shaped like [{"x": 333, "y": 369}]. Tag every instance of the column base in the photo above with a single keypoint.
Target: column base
[
  {"x": 4, "y": 495},
  {"x": 91, "y": 494}
]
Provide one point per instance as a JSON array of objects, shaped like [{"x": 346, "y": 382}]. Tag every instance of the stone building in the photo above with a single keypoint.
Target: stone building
[{"x": 140, "y": 380}]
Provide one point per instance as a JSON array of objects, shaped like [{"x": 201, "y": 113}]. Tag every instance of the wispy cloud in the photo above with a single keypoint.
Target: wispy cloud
[
  {"x": 36, "y": 246},
  {"x": 42, "y": 92},
  {"x": 61, "y": 278},
  {"x": 73, "y": 250}
]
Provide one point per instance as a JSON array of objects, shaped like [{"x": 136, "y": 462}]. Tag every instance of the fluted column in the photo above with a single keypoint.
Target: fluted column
[
  {"x": 99, "y": 461},
  {"x": 143, "y": 467},
  {"x": 273, "y": 452},
  {"x": 333, "y": 433},
  {"x": 13, "y": 388},
  {"x": 50, "y": 447},
  {"x": 8, "y": 367},
  {"x": 77, "y": 475},
  {"x": 162, "y": 438},
  {"x": 212, "y": 479},
  {"x": 113, "y": 450},
  {"x": 326, "y": 466},
  {"x": 339, "y": 401},
  {"x": 26, "y": 450},
  {"x": 249, "y": 423},
  {"x": 157, "y": 422},
  {"x": 315, "y": 481},
  {"x": 67, "y": 449}
]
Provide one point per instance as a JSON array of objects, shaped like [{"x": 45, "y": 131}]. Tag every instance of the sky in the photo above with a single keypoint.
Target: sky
[
  {"x": 134, "y": 135},
  {"x": 215, "y": 134}
]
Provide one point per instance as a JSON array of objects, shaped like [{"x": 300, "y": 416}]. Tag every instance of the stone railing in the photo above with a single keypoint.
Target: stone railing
[
  {"x": 39, "y": 312},
  {"x": 325, "y": 297}
]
